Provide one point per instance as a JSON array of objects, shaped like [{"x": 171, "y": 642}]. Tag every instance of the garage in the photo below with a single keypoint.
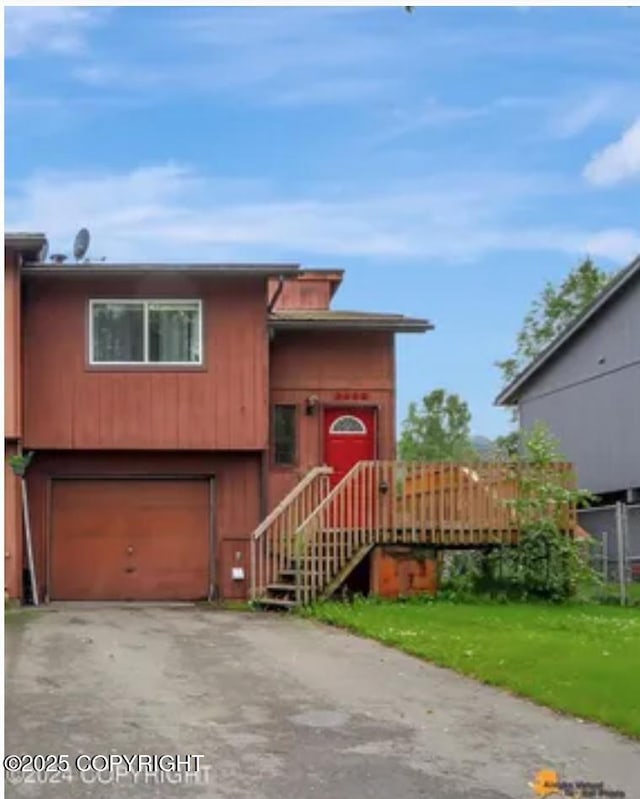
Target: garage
[{"x": 131, "y": 539}]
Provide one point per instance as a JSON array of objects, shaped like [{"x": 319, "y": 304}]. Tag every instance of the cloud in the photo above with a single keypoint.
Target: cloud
[
  {"x": 171, "y": 212},
  {"x": 571, "y": 116},
  {"x": 431, "y": 114},
  {"x": 578, "y": 117},
  {"x": 618, "y": 161},
  {"x": 32, "y": 31},
  {"x": 278, "y": 56}
]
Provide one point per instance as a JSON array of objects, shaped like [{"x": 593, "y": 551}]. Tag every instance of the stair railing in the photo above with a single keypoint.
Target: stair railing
[
  {"x": 355, "y": 513},
  {"x": 412, "y": 503},
  {"x": 273, "y": 541}
]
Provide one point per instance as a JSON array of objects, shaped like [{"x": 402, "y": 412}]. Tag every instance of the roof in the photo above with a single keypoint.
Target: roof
[
  {"x": 510, "y": 394},
  {"x": 108, "y": 269},
  {"x": 31, "y": 242},
  {"x": 346, "y": 320}
]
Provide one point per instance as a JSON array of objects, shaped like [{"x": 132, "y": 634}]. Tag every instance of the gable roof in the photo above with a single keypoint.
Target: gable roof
[
  {"x": 511, "y": 393},
  {"x": 346, "y": 320}
]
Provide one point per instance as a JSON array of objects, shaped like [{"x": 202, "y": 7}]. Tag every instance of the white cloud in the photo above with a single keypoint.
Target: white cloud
[
  {"x": 618, "y": 161},
  {"x": 48, "y": 29},
  {"x": 577, "y": 117},
  {"x": 170, "y": 212},
  {"x": 291, "y": 56},
  {"x": 431, "y": 114},
  {"x": 620, "y": 244}
]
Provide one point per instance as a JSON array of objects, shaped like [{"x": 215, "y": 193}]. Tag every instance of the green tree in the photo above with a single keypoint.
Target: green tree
[
  {"x": 551, "y": 312},
  {"x": 437, "y": 429}
]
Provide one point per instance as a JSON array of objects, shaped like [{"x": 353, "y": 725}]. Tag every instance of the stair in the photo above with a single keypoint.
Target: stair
[
  {"x": 318, "y": 534},
  {"x": 281, "y": 593}
]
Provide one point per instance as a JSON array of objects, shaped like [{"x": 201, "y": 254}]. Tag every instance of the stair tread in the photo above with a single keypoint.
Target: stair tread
[
  {"x": 278, "y": 603},
  {"x": 281, "y": 586}
]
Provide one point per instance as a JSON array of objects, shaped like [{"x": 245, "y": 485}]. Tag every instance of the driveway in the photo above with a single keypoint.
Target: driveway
[{"x": 276, "y": 707}]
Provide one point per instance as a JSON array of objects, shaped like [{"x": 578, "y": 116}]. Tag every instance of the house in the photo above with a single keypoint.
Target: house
[
  {"x": 171, "y": 409},
  {"x": 586, "y": 387}
]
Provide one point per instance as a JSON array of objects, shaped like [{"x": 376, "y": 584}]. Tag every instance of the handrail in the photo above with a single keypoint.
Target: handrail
[
  {"x": 318, "y": 532},
  {"x": 335, "y": 491},
  {"x": 272, "y": 542},
  {"x": 442, "y": 504},
  {"x": 309, "y": 477}
]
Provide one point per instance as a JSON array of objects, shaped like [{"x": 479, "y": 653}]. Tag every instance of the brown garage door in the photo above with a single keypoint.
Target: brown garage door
[{"x": 130, "y": 539}]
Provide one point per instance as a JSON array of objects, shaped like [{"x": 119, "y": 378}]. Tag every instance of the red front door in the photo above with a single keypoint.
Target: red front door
[{"x": 349, "y": 437}]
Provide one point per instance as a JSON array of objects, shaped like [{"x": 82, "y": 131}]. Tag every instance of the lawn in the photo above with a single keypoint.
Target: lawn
[{"x": 580, "y": 659}]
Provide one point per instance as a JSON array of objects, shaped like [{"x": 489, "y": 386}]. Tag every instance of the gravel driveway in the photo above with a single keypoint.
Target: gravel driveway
[{"x": 276, "y": 707}]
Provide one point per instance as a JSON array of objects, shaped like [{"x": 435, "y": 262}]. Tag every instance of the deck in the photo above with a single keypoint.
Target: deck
[{"x": 317, "y": 531}]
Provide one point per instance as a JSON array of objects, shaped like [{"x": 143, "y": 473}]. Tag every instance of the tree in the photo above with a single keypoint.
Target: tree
[
  {"x": 550, "y": 314},
  {"x": 437, "y": 429}
]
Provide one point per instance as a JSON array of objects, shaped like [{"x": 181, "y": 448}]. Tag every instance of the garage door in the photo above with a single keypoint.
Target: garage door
[{"x": 130, "y": 539}]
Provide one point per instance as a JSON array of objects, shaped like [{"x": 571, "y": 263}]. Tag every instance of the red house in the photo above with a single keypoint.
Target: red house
[{"x": 171, "y": 408}]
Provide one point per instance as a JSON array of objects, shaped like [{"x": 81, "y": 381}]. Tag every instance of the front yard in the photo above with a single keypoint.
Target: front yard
[{"x": 581, "y": 659}]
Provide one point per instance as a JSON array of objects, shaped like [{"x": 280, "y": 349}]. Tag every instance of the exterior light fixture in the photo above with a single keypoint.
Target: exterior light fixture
[{"x": 311, "y": 404}]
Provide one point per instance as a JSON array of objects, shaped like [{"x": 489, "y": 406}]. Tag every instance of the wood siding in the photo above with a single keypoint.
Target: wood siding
[
  {"x": 324, "y": 364},
  {"x": 304, "y": 292},
  {"x": 12, "y": 377},
  {"x": 236, "y": 506},
  {"x": 70, "y": 405},
  {"x": 12, "y": 528}
]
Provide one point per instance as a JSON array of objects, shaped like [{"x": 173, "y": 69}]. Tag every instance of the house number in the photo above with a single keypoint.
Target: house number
[{"x": 351, "y": 395}]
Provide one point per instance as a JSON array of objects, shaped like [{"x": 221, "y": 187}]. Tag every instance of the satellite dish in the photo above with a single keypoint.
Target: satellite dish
[{"x": 81, "y": 243}]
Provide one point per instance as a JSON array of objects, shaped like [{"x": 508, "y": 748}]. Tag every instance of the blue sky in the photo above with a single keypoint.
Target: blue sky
[{"x": 451, "y": 160}]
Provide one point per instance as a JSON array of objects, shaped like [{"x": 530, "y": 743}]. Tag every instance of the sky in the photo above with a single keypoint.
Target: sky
[{"x": 451, "y": 160}]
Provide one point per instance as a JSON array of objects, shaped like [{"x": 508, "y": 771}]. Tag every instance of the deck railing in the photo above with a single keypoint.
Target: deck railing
[
  {"x": 442, "y": 504},
  {"x": 272, "y": 543}
]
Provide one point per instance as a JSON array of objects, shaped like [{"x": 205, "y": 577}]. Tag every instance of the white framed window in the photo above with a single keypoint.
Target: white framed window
[
  {"x": 147, "y": 332},
  {"x": 348, "y": 425}
]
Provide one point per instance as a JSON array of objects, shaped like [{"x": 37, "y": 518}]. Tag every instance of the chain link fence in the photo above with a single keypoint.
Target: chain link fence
[{"x": 615, "y": 554}]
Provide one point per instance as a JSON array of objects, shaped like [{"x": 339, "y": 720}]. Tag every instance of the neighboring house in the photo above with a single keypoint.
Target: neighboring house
[
  {"x": 586, "y": 387},
  {"x": 170, "y": 408}
]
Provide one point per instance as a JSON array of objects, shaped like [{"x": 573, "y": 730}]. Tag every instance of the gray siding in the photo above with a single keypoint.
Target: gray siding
[{"x": 594, "y": 408}]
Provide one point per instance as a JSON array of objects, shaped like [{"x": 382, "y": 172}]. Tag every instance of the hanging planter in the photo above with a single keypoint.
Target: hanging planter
[{"x": 20, "y": 463}]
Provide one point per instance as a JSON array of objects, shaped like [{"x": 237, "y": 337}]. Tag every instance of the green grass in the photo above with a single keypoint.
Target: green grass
[
  {"x": 579, "y": 659},
  {"x": 610, "y": 593}
]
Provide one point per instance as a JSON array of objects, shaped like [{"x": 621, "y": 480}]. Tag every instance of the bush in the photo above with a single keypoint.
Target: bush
[{"x": 547, "y": 563}]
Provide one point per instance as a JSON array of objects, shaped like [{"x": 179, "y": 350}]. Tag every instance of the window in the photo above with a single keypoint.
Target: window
[
  {"x": 348, "y": 425},
  {"x": 146, "y": 332},
  {"x": 284, "y": 435}
]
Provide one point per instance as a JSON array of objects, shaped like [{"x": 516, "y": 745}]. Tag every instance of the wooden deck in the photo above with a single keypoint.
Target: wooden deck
[{"x": 317, "y": 531}]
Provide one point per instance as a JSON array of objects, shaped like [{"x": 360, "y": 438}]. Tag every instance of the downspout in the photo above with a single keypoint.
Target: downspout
[{"x": 19, "y": 463}]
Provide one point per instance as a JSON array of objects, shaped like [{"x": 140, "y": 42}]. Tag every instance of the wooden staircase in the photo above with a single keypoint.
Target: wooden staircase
[{"x": 306, "y": 548}]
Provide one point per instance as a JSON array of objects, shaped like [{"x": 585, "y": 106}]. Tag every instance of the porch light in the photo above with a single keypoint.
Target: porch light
[{"x": 311, "y": 404}]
